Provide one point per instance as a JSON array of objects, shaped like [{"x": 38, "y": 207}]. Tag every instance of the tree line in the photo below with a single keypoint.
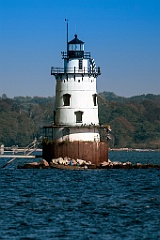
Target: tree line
[{"x": 135, "y": 121}]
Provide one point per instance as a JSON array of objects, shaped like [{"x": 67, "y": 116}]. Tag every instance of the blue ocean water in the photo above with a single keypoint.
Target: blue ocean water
[{"x": 113, "y": 204}]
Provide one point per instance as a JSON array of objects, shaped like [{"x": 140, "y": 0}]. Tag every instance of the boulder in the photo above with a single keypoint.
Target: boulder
[
  {"x": 67, "y": 160},
  {"x": 45, "y": 163},
  {"x": 54, "y": 161},
  {"x": 103, "y": 164},
  {"x": 88, "y": 163},
  {"x": 139, "y": 164},
  {"x": 57, "y": 160},
  {"x": 127, "y": 163},
  {"x": 116, "y": 163},
  {"x": 80, "y": 161}
]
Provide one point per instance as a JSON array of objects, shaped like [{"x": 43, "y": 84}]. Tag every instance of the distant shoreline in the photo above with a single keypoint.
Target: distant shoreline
[{"x": 134, "y": 149}]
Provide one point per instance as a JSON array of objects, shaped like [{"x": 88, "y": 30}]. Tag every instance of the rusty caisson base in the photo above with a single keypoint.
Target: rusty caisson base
[{"x": 95, "y": 152}]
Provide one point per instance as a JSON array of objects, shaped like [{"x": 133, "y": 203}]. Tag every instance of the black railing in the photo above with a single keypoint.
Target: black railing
[
  {"x": 74, "y": 70},
  {"x": 86, "y": 55}
]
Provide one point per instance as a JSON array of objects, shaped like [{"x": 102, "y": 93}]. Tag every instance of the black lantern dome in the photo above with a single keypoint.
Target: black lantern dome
[{"x": 76, "y": 48}]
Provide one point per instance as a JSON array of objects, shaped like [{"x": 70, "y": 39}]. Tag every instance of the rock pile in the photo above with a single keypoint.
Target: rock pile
[
  {"x": 126, "y": 165},
  {"x": 69, "y": 161},
  {"x": 110, "y": 164}
]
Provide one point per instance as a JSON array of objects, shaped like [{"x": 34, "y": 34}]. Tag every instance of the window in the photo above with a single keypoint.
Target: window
[
  {"x": 66, "y": 99},
  {"x": 95, "y": 99},
  {"x": 79, "y": 116},
  {"x": 80, "y": 64}
]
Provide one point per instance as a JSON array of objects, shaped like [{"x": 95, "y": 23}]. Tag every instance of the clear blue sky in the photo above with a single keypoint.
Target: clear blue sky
[{"x": 123, "y": 37}]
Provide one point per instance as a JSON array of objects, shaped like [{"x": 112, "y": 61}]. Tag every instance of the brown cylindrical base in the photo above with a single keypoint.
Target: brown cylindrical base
[{"x": 95, "y": 152}]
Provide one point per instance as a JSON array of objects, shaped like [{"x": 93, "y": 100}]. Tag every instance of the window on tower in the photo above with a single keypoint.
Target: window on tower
[
  {"x": 80, "y": 64},
  {"x": 95, "y": 99},
  {"x": 79, "y": 116},
  {"x": 66, "y": 99}
]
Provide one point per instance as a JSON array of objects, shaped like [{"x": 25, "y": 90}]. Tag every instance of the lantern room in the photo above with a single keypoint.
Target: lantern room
[{"x": 76, "y": 48}]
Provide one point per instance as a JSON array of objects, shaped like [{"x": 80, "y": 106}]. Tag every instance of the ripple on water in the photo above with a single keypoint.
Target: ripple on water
[{"x": 98, "y": 204}]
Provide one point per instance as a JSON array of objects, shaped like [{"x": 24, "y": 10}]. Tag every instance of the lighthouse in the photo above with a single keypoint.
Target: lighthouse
[
  {"x": 76, "y": 104},
  {"x": 75, "y": 131}
]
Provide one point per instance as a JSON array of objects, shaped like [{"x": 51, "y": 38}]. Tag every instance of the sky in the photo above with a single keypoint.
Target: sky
[{"x": 123, "y": 37}]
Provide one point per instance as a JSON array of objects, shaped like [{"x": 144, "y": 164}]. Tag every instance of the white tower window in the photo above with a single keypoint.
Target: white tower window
[
  {"x": 95, "y": 99},
  {"x": 79, "y": 116},
  {"x": 66, "y": 99}
]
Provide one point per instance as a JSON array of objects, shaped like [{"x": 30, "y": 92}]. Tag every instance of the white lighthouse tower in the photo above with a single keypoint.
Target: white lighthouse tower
[
  {"x": 76, "y": 131},
  {"x": 76, "y": 106}
]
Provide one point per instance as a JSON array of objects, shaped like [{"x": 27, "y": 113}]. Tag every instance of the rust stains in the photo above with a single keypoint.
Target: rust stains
[{"x": 95, "y": 152}]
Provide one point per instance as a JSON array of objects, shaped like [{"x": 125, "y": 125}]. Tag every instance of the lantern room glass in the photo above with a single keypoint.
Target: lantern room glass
[{"x": 76, "y": 47}]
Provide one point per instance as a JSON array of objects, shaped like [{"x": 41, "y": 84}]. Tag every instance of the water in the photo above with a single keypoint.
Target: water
[{"x": 92, "y": 204}]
